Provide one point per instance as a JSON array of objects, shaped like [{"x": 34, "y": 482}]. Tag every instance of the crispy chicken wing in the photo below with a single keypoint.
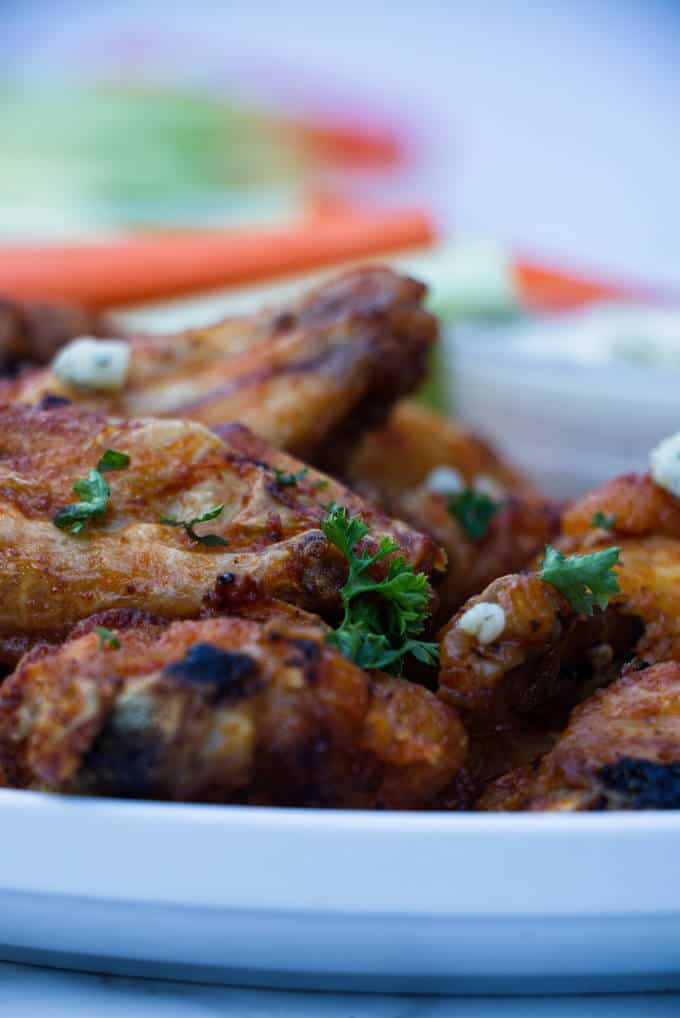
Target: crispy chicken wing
[
  {"x": 621, "y": 750},
  {"x": 644, "y": 522},
  {"x": 307, "y": 377},
  {"x": 544, "y": 660},
  {"x": 125, "y": 557},
  {"x": 514, "y": 693},
  {"x": 256, "y": 710},
  {"x": 635, "y": 505},
  {"x": 544, "y": 645},
  {"x": 516, "y": 690},
  {"x": 394, "y": 468}
]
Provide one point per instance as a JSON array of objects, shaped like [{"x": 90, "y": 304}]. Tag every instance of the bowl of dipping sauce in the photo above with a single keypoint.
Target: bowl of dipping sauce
[{"x": 572, "y": 398}]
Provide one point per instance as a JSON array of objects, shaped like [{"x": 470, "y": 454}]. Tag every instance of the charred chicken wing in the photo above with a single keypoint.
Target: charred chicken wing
[
  {"x": 257, "y": 710},
  {"x": 621, "y": 750}
]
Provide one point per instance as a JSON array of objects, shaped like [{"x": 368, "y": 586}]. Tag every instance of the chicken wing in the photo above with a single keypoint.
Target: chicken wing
[
  {"x": 396, "y": 467},
  {"x": 266, "y": 540},
  {"x": 644, "y": 521},
  {"x": 632, "y": 505},
  {"x": 621, "y": 750},
  {"x": 415, "y": 441},
  {"x": 257, "y": 710},
  {"x": 545, "y": 659},
  {"x": 546, "y": 650},
  {"x": 307, "y": 378}
]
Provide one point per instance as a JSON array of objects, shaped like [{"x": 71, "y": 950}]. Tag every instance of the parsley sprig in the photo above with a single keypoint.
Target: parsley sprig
[
  {"x": 112, "y": 460},
  {"x": 382, "y": 618},
  {"x": 287, "y": 480},
  {"x": 210, "y": 540},
  {"x": 474, "y": 510},
  {"x": 94, "y": 493},
  {"x": 585, "y": 580},
  {"x": 603, "y": 520}
]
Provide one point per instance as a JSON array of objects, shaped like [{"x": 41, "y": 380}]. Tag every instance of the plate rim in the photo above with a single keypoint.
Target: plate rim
[{"x": 275, "y": 861}]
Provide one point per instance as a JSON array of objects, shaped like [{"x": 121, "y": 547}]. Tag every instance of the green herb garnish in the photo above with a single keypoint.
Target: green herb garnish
[
  {"x": 585, "y": 580},
  {"x": 382, "y": 618},
  {"x": 107, "y": 638},
  {"x": 94, "y": 493},
  {"x": 211, "y": 540},
  {"x": 602, "y": 520},
  {"x": 286, "y": 480},
  {"x": 474, "y": 510},
  {"x": 320, "y": 485},
  {"x": 112, "y": 460}
]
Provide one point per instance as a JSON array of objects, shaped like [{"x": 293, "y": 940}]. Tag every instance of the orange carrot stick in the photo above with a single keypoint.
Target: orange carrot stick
[
  {"x": 349, "y": 144},
  {"x": 162, "y": 265},
  {"x": 544, "y": 288}
]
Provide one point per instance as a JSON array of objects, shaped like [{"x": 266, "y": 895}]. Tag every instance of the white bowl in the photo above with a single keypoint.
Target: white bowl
[{"x": 565, "y": 398}]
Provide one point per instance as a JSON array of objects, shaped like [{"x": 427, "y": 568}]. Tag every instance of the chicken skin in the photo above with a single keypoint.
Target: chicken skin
[
  {"x": 620, "y": 750},
  {"x": 307, "y": 377},
  {"x": 265, "y": 541},
  {"x": 396, "y": 467},
  {"x": 254, "y": 710}
]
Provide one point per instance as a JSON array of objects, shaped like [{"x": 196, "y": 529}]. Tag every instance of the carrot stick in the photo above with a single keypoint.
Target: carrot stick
[
  {"x": 350, "y": 144},
  {"x": 544, "y": 288},
  {"x": 159, "y": 265}
]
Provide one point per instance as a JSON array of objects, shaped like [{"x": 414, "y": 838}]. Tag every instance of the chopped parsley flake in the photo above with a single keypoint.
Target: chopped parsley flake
[
  {"x": 210, "y": 540},
  {"x": 382, "y": 618},
  {"x": 112, "y": 460},
  {"x": 287, "y": 480},
  {"x": 585, "y": 580},
  {"x": 474, "y": 510},
  {"x": 107, "y": 639},
  {"x": 603, "y": 521}
]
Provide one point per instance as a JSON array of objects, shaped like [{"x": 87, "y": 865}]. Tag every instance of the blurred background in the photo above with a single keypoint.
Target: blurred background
[
  {"x": 526, "y": 138},
  {"x": 533, "y": 123}
]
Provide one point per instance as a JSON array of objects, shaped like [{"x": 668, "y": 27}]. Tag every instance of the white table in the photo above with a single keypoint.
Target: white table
[{"x": 27, "y": 992}]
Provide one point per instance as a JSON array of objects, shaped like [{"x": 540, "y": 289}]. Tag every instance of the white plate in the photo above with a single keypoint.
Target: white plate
[{"x": 420, "y": 902}]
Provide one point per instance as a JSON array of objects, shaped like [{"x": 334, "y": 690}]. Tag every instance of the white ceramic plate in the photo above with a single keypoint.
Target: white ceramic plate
[{"x": 421, "y": 902}]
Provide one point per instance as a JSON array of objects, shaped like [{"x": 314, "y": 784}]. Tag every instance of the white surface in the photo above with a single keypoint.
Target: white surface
[{"x": 306, "y": 898}]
